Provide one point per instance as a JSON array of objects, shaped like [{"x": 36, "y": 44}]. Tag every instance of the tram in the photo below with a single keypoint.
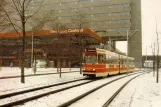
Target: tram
[{"x": 101, "y": 63}]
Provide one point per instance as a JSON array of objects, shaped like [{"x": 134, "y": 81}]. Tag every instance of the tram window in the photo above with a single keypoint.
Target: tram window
[
  {"x": 90, "y": 59},
  {"x": 114, "y": 60},
  {"x": 122, "y": 61},
  {"x": 108, "y": 59},
  {"x": 101, "y": 58}
]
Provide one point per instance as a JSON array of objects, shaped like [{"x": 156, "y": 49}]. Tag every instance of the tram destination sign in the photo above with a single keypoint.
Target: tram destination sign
[{"x": 90, "y": 50}]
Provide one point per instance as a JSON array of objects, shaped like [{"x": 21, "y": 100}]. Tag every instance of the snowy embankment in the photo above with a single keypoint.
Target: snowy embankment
[
  {"x": 54, "y": 100},
  {"x": 14, "y": 83},
  {"x": 140, "y": 92},
  {"x": 15, "y": 71}
]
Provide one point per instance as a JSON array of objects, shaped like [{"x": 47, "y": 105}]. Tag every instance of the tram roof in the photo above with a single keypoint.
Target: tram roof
[{"x": 113, "y": 53}]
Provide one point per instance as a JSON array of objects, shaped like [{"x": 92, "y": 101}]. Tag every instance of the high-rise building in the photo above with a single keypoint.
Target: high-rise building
[{"x": 113, "y": 20}]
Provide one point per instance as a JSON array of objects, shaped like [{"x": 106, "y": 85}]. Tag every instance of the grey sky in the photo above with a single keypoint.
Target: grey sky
[{"x": 151, "y": 13}]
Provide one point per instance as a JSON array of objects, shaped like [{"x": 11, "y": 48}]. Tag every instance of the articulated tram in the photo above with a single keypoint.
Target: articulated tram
[{"x": 101, "y": 63}]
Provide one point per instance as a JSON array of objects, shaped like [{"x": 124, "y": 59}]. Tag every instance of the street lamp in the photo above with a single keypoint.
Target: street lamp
[
  {"x": 32, "y": 48},
  {"x": 32, "y": 51}
]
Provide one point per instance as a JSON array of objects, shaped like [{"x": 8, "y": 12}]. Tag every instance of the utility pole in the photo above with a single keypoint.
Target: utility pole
[
  {"x": 157, "y": 60},
  {"x": 127, "y": 50},
  {"x": 146, "y": 58},
  {"x": 154, "y": 61},
  {"x": 32, "y": 51}
]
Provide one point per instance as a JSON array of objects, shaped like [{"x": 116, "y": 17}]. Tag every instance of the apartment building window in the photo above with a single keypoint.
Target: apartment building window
[
  {"x": 75, "y": 9},
  {"x": 96, "y": 8},
  {"x": 100, "y": 0},
  {"x": 66, "y": 17},
  {"x": 104, "y": 14},
  {"x": 83, "y": 8},
  {"x": 69, "y": 3},
  {"x": 124, "y": 13},
  {"x": 111, "y": 6},
  {"x": 123, "y": 29},
  {"x": 68, "y": 10},
  {"x": 38, "y": 0},
  {"x": 120, "y": 21},
  {"x": 85, "y": 0}
]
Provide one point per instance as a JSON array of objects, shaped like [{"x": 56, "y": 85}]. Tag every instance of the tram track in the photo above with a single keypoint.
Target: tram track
[
  {"x": 22, "y": 93},
  {"x": 72, "y": 101},
  {"x": 10, "y": 94},
  {"x": 107, "y": 103},
  {"x": 30, "y": 98}
]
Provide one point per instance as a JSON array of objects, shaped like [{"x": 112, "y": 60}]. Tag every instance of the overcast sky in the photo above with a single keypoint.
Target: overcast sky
[{"x": 151, "y": 13}]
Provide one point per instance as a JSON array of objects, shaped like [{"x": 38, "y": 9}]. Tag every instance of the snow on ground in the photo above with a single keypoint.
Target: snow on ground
[
  {"x": 53, "y": 100},
  {"x": 14, "y": 83},
  {"x": 140, "y": 92},
  {"x": 16, "y": 71},
  {"x": 101, "y": 96}
]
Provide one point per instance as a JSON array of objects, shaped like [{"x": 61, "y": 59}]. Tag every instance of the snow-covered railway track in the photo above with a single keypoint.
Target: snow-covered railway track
[
  {"x": 20, "y": 97},
  {"x": 75, "y": 102},
  {"x": 106, "y": 104},
  {"x": 32, "y": 75}
]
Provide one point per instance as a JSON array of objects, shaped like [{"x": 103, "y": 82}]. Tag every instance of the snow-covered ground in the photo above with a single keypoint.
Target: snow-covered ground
[
  {"x": 15, "y": 71},
  {"x": 140, "y": 92},
  {"x": 14, "y": 83}
]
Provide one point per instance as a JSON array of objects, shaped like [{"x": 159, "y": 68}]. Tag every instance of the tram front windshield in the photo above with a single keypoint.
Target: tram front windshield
[{"x": 91, "y": 59}]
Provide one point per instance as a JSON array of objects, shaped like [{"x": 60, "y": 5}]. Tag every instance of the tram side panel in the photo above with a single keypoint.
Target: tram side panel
[{"x": 100, "y": 63}]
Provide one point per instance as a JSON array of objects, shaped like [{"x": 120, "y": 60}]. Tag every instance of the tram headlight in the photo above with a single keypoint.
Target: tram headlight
[
  {"x": 93, "y": 69},
  {"x": 84, "y": 69}
]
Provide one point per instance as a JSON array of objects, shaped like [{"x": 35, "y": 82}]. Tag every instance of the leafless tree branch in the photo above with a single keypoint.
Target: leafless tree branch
[
  {"x": 10, "y": 20},
  {"x": 35, "y": 11},
  {"x": 18, "y": 7},
  {"x": 27, "y": 4}
]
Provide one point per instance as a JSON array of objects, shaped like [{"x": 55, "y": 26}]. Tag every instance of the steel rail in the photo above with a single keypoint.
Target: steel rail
[
  {"x": 37, "y": 88},
  {"x": 118, "y": 91},
  {"x": 21, "y": 101},
  {"x": 68, "y": 103}
]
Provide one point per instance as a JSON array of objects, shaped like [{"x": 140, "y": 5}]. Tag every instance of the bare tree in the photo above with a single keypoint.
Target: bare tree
[
  {"x": 36, "y": 26},
  {"x": 153, "y": 52},
  {"x": 157, "y": 61},
  {"x": 18, "y": 14},
  {"x": 59, "y": 45},
  {"x": 79, "y": 22},
  {"x": 1, "y": 54}
]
